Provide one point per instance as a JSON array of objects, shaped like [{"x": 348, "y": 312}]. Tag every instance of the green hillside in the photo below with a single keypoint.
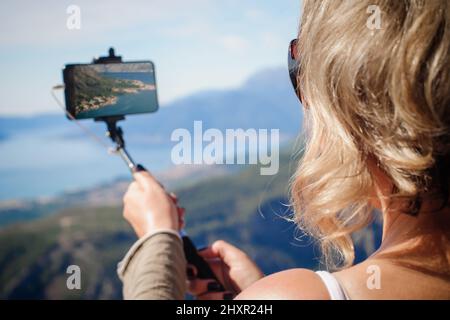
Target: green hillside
[
  {"x": 90, "y": 84},
  {"x": 243, "y": 208}
]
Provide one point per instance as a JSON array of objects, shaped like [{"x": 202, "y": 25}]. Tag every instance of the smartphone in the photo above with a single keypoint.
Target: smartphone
[{"x": 110, "y": 89}]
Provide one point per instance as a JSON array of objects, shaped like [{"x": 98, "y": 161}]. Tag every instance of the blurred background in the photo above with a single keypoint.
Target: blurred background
[{"x": 221, "y": 62}]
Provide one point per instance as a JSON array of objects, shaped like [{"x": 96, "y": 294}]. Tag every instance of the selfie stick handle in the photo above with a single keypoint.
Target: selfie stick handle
[{"x": 126, "y": 157}]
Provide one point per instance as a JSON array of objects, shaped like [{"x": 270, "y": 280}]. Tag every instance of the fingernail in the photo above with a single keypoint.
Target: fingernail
[
  {"x": 228, "y": 296},
  {"x": 190, "y": 273},
  {"x": 140, "y": 167},
  {"x": 214, "y": 286}
]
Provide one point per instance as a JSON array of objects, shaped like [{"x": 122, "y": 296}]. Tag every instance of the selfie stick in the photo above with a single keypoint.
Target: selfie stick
[{"x": 115, "y": 132}]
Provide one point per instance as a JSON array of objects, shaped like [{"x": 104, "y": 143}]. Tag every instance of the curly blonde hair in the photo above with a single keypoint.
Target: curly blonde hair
[{"x": 379, "y": 95}]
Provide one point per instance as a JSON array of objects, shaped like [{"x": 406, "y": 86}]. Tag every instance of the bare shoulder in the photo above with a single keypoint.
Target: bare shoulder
[
  {"x": 383, "y": 279},
  {"x": 294, "y": 284}
]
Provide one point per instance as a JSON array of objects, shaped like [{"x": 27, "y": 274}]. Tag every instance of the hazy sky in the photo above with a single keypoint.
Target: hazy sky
[{"x": 195, "y": 44}]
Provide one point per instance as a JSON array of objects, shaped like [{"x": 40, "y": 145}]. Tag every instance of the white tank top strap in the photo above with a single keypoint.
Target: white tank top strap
[{"x": 334, "y": 288}]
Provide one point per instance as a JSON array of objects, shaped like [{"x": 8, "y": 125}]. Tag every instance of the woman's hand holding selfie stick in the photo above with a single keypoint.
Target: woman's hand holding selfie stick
[{"x": 148, "y": 207}]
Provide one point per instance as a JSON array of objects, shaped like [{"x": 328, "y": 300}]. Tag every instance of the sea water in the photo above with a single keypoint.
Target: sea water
[
  {"x": 144, "y": 101},
  {"x": 51, "y": 161}
]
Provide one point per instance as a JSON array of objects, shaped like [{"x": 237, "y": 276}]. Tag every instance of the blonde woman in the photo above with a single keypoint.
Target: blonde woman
[{"x": 376, "y": 99}]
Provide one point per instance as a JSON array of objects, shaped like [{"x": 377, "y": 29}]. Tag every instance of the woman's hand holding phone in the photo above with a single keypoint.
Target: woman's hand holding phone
[{"x": 232, "y": 267}]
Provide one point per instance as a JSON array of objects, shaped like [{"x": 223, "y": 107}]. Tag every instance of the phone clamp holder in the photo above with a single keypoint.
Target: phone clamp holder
[{"x": 110, "y": 58}]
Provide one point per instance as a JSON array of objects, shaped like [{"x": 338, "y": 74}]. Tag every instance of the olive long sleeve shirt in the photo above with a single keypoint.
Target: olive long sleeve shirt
[{"x": 154, "y": 268}]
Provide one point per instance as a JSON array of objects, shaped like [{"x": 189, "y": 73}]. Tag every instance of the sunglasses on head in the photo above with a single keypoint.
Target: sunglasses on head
[{"x": 293, "y": 66}]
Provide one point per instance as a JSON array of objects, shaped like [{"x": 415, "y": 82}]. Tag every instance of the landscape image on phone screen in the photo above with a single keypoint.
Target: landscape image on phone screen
[{"x": 114, "y": 89}]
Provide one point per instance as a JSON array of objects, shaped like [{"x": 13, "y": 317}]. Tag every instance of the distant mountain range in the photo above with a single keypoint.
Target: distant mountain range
[
  {"x": 57, "y": 156},
  {"x": 266, "y": 100}
]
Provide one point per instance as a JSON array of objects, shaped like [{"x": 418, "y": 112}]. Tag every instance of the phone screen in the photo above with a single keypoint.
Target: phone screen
[{"x": 112, "y": 89}]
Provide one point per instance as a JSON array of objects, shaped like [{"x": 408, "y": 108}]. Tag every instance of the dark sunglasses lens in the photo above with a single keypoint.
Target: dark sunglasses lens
[
  {"x": 293, "y": 65},
  {"x": 293, "y": 49}
]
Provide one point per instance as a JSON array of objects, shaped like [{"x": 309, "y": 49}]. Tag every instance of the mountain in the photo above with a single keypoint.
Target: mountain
[
  {"x": 244, "y": 208},
  {"x": 46, "y": 155},
  {"x": 265, "y": 101}
]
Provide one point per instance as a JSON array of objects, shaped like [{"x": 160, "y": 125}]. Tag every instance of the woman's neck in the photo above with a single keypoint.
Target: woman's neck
[
  {"x": 422, "y": 240},
  {"x": 404, "y": 234}
]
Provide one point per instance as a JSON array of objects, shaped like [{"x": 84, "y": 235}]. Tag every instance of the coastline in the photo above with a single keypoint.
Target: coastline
[{"x": 99, "y": 102}]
